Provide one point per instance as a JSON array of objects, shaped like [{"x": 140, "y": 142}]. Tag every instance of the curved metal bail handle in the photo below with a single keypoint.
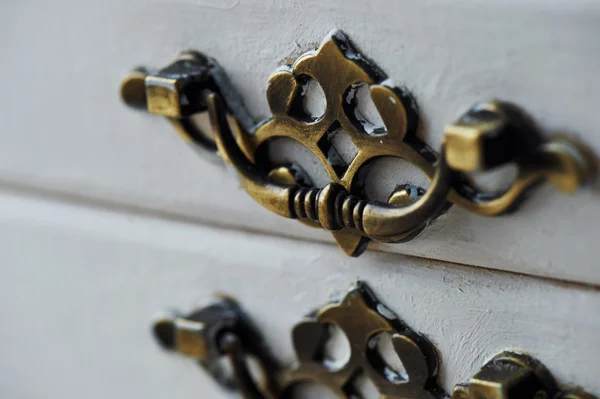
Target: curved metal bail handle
[
  {"x": 387, "y": 222},
  {"x": 274, "y": 196},
  {"x": 489, "y": 135},
  {"x": 332, "y": 206}
]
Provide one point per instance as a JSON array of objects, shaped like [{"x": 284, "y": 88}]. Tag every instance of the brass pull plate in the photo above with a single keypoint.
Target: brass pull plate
[
  {"x": 488, "y": 135},
  {"x": 224, "y": 330}
]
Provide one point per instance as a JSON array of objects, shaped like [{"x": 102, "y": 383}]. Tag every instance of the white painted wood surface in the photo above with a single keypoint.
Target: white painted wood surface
[
  {"x": 106, "y": 216},
  {"x": 79, "y": 284},
  {"x": 64, "y": 129}
]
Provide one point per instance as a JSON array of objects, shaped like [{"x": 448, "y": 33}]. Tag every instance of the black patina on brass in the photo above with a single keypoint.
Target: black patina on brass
[
  {"x": 219, "y": 330},
  {"x": 489, "y": 135},
  {"x": 223, "y": 330}
]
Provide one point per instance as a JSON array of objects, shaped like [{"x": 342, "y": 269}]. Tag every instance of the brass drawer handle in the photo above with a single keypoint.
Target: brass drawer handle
[
  {"x": 487, "y": 136},
  {"x": 223, "y": 330}
]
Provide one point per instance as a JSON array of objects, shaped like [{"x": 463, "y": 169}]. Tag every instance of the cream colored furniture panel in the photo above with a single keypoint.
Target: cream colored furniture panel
[
  {"x": 79, "y": 285},
  {"x": 66, "y": 133}
]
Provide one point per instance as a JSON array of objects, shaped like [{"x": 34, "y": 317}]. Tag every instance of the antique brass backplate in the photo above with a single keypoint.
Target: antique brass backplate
[
  {"x": 223, "y": 331},
  {"x": 487, "y": 136}
]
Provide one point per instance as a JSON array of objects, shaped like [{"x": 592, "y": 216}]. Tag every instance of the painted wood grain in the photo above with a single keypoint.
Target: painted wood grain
[
  {"x": 79, "y": 284},
  {"x": 64, "y": 129}
]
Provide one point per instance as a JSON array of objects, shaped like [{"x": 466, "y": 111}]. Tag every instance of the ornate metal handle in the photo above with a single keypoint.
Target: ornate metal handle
[
  {"x": 487, "y": 136},
  {"x": 224, "y": 330}
]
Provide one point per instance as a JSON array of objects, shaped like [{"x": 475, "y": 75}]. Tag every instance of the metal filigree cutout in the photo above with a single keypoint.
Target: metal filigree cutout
[
  {"x": 397, "y": 138},
  {"x": 361, "y": 317},
  {"x": 224, "y": 330},
  {"x": 487, "y": 136}
]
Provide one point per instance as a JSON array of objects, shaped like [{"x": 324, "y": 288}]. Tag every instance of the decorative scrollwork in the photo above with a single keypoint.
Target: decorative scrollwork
[
  {"x": 362, "y": 317},
  {"x": 487, "y": 136},
  {"x": 223, "y": 329}
]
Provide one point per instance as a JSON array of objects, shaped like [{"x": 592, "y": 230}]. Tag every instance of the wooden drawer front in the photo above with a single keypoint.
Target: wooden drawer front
[
  {"x": 65, "y": 130},
  {"x": 81, "y": 299}
]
